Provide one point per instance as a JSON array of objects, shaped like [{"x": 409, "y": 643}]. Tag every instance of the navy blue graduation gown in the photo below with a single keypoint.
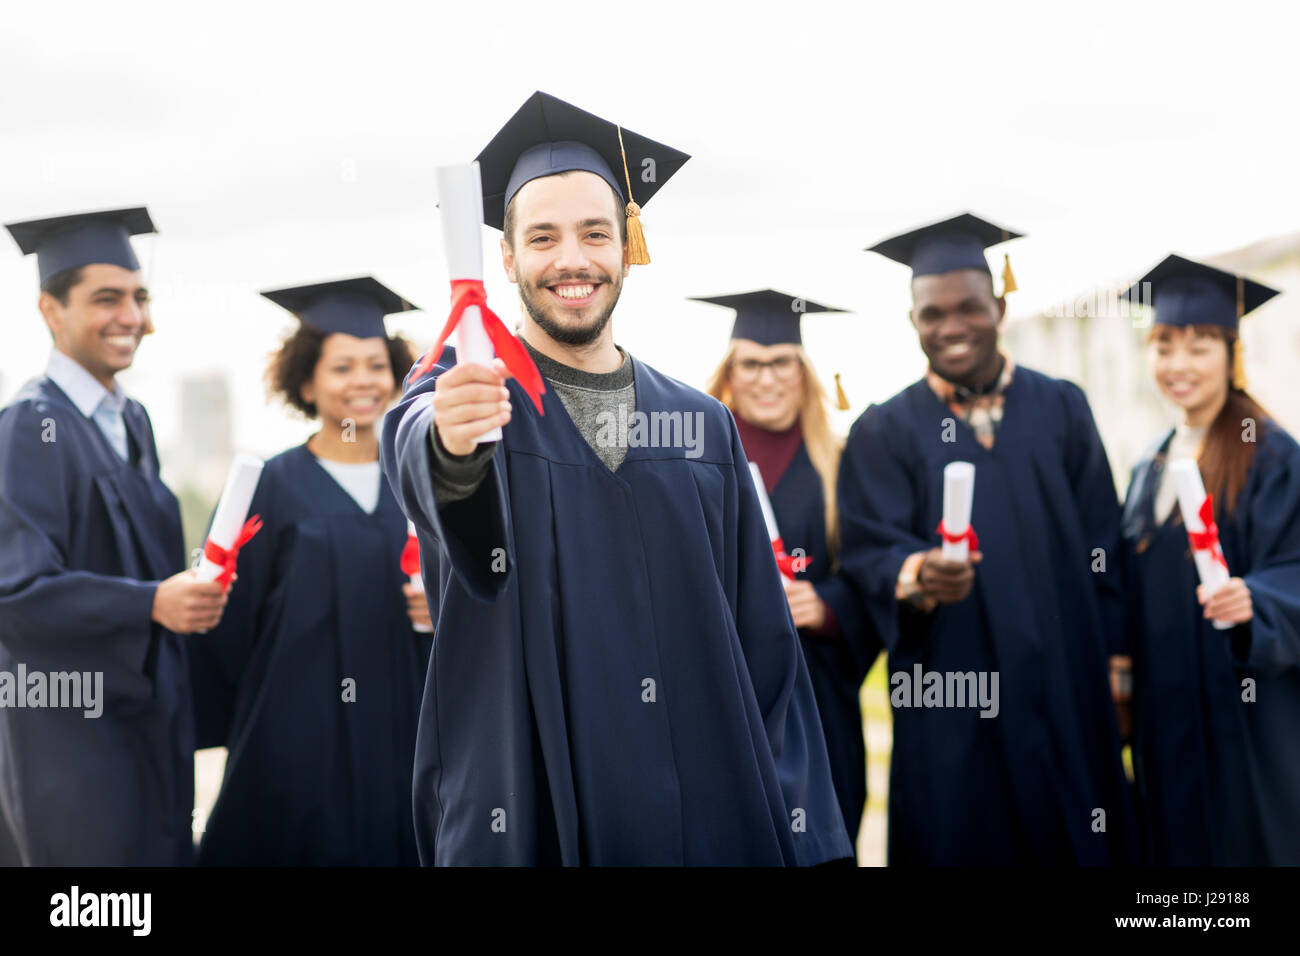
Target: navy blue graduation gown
[
  {"x": 86, "y": 538},
  {"x": 313, "y": 779},
  {"x": 1021, "y": 787},
  {"x": 1218, "y": 776},
  {"x": 615, "y": 677},
  {"x": 837, "y": 666}
]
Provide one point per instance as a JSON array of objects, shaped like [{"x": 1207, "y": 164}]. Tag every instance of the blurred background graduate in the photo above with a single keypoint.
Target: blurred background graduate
[
  {"x": 779, "y": 403},
  {"x": 313, "y": 680},
  {"x": 1040, "y": 781},
  {"x": 1216, "y": 712},
  {"x": 92, "y": 574}
]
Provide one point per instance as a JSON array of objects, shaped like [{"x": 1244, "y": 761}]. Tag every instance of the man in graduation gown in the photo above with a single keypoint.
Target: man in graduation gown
[
  {"x": 92, "y": 579},
  {"x": 615, "y": 676},
  {"x": 1033, "y": 774}
]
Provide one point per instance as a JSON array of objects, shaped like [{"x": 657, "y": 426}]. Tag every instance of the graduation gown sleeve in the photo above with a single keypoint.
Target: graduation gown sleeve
[
  {"x": 1271, "y": 639},
  {"x": 1097, "y": 504},
  {"x": 101, "y": 621},
  {"x": 467, "y": 530},
  {"x": 877, "y": 498}
]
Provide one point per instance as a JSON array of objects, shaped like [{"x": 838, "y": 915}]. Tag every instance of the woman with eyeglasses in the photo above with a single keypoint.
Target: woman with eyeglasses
[{"x": 780, "y": 407}]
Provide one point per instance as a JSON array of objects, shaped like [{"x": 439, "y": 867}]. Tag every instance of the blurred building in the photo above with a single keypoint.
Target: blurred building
[
  {"x": 195, "y": 466},
  {"x": 1099, "y": 343},
  {"x": 203, "y": 450}
]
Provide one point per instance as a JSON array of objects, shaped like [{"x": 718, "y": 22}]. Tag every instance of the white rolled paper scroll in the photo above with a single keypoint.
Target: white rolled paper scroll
[
  {"x": 958, "y": 494},
  {"x": 1191, "y": 493},
  {"x": 232, "y": 509},
  {"x": 769, "y": 516},
  {"x": 460, "y": 200}
]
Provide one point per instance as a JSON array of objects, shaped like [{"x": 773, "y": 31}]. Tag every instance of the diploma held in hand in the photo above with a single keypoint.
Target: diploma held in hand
[
  {"x": 478, "y": 329},
  {"x": 231, "y": 527},
  {"x": 958, "y": 494},
  {"x": 1202, "y": 532}
]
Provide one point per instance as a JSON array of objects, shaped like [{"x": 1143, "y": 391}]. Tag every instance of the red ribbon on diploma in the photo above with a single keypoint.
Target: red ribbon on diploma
[
  {"x": 410, "y": 561},
  {"x": 226, "y": 557},
  {"x": 467, "y": 292},
  {"x": 1208, "y": 540},
  {"x": 788, "y": 564},
  {"x": 969, "y": 536}
]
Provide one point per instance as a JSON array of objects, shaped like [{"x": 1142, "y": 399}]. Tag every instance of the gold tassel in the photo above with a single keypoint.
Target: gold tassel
[
  {"x": 841, "y": 400},
  {"x": 1008, "y": 277},
  {"x": 637, "y": 253},
  {"x": 1238, "y": 366}
]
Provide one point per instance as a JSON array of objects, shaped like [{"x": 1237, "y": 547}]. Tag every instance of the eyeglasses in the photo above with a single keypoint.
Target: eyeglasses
[{"x": 784, "y": 368}]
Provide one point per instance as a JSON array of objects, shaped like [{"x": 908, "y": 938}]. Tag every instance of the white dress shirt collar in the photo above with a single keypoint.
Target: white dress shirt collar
[{"x": 80, "y": 386}]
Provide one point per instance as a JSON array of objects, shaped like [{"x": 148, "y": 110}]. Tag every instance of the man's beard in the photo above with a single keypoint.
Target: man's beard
[{"x": 531, "y": 296}]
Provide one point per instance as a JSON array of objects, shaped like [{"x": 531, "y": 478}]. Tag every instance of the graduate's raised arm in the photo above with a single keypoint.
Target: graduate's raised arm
[
  {"x": 471, "y": 529},
  {"x": 781, "y": 685},
  {"x": 105, "y": 620}
]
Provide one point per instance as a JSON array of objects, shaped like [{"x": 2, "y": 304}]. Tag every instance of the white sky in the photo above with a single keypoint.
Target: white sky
[{"x": 276, "y": 144}]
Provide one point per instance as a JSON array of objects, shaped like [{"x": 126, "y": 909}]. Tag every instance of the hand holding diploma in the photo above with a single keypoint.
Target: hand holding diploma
[
  {"x": 947, "y": 573},
  {"x": 186, "y": 605},
  {"x": 478, "y": 329},
  {"x": 1203, "y": 535}
]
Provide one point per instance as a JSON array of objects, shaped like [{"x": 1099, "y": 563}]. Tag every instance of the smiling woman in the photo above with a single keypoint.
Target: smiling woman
[{"x": 313, "y": 681}]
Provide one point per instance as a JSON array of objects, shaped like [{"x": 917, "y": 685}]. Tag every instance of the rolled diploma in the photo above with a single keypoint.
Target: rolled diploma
[
  {"x": 417, "y": 582},
  {"x": 460, "y": 199},
  {"x": 1191, "y": 492},
  {"x": 958, "y": 493},
  {"x": 769, "y": 516},
  {"x": 232, "y": 509}
]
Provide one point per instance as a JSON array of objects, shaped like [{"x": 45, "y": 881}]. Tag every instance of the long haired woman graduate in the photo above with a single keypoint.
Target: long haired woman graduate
[
  {"x": 1216, "y": 710},
  {"x": 313, "y": 680},
  {"x": 779, "y": 404}
]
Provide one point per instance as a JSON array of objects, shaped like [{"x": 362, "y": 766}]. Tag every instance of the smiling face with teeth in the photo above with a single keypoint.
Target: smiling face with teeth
[
  {"x": 353, "y": 382},
  {"x": 1191, "y": 368},
  {"x": 566, "y": 255},
  {"x": 957, "y": 317},
  {"x": 101, "y": 320}
]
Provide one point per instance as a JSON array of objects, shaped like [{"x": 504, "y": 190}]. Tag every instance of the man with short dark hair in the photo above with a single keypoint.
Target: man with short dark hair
[
  {"x": 92, "y": 579},
  {"x": 1027, "y": 772},
  {"x": 615, "y": 679}
]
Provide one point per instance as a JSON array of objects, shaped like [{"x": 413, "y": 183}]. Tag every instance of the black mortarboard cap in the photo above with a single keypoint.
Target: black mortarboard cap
[
  {"x": 82, "y": 239},
  {"x": 767, "y": 317},
  {"x": 956, "y": 243},
  {"x": 1185, "y": 292},
  {"x": 352, "y": 306},
  {"x": 548, "y": 136}
]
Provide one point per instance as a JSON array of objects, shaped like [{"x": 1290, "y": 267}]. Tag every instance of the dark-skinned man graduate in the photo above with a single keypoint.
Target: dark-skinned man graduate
[
  {"x": 1036, "y": 778},
  {"x": 615, "y": 677},
  {"x": 92, "y": 573}
]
